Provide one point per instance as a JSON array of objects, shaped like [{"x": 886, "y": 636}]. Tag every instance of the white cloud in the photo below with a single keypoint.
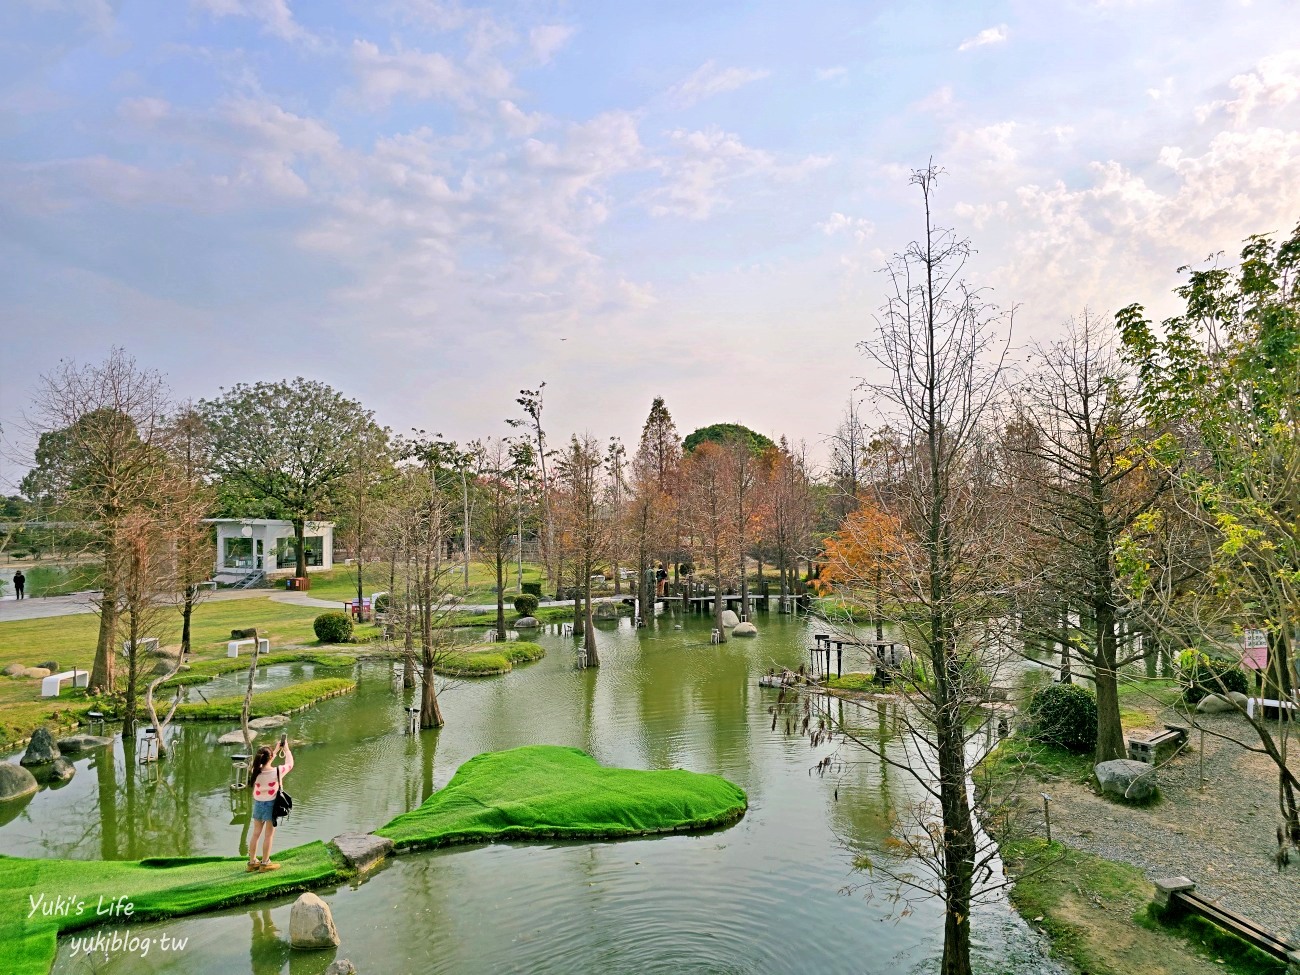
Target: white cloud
[
  {"x": 384, "y": 76},
  {"x": 709, "y": 80},
  {"x": 837, "y": 73},
  {"x": 1275, "y": 83},
  {"x": 858, "y": 228},
  {"x": 275, "y": 16},
  {"x": 704, "y": 163},
  {"x": 990, "y": 35},
  {"x": 547, "y": 39}
]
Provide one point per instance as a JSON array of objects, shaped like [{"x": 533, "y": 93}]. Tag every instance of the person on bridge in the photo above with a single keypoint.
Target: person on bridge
[{"x": 20, "y": 585}]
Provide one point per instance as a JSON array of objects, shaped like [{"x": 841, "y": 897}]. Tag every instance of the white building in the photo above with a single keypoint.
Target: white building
[{"x": 245, "y": 545}]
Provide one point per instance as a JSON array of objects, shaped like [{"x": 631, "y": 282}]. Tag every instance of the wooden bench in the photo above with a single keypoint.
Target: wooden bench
[
  {"x": 263, "y": 646},
  {"x": 1177, "y": 897},
  {"x": 1149, "y": 751},
  {"x": 50, "y": 686}
]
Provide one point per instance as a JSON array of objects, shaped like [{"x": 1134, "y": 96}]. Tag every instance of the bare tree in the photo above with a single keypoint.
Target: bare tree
[
  {"x": 937, "y": 350},
  {"x": 100, "y": 430},
  {"x": 710, "y": 515},
  {"x": 495, "y": 514},
  {"x": 586, "y": 521}
]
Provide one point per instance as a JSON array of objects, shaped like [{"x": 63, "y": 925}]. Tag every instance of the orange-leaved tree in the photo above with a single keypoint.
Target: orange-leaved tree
[{"x": 855, "y": 558}]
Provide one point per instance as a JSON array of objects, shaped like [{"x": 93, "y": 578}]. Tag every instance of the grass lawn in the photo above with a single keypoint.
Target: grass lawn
[
  {"x": 341, "y": 583},
  {"x": 494, "y": 658},
  {"x": 1097, "y": 915},
  {"x": 545, "y": 791},
  {"x": 70, "y": 641}
]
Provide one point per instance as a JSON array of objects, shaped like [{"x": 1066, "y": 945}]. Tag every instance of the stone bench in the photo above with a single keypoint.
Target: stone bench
[
  {"x": 1149, "y": 751},
  {"x": 50, "y": 686},
  {"x": 148, "y": 644},
  {"x": 1267, "y": 704},
  {"x": 263, "y": 646},
  {"x": 208, "y": 584}
]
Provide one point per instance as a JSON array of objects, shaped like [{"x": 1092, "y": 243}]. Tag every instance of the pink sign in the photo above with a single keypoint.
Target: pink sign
[{"x": 1254, "y": 650}]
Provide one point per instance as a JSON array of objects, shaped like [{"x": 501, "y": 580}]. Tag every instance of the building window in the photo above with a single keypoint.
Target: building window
[
  {"x": 286, "y": 551},
  {"x": 239, "y": 553}
]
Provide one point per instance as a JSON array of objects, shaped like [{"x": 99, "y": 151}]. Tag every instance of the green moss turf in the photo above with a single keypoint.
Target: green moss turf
[
  {"x": 545, "y": 791},
  {"x": 534, "y": 792}
]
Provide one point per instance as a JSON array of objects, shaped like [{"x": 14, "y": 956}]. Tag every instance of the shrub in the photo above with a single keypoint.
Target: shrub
[
  {"x": 333, "y": 627},
  {"x": 1200, "y": 674},
  {"x": 533, "y": 587},
  {"x": 526, "y": 604},
  {"x": 1064, "y": 715},
  {"x": 381, "y": 603}
]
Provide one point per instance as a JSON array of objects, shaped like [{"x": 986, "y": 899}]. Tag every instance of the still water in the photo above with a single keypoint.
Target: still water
[{"x": 764, "y": 896}]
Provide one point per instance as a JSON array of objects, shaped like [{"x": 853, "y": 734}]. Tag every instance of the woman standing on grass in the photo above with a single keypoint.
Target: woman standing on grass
[{"x": 266, "y": 779}]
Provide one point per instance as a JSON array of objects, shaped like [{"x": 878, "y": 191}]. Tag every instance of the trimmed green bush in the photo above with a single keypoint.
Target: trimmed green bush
[
  {"x": 381, "y": 603},
  {"x": 333, "y": 627},
  {"x": 1064, "y": 715},
  {"x": 1200, "y": 674},
  {"x": 534, "y": 588},
  {"x": 526, "y": 604}
]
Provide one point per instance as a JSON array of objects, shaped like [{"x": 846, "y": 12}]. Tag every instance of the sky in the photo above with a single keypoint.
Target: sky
[{"x": 431, "y": 205}]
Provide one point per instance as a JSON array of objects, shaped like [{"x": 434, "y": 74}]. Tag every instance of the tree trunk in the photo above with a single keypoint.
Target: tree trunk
[
  {"x": 717, "y": 600},
  {"x": 103, "y": 675},
  {"x": 501, "y": 596},
  {"x": 187, "y": 611},
  {"x": 131, "y": 702},
  {"x": 430, "y": 710},
  {"x": 589, "y": 631},
  {"x": 1110, "y": 729},
  {"x": 248, "y": 701},
  {"x": 300, "y": 537}
]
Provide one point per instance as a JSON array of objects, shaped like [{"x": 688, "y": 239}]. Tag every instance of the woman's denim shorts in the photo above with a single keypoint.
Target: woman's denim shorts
[{"x": 263, "y": 809}]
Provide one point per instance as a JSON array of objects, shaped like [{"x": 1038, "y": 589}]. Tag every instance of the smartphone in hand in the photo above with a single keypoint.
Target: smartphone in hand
[{"x": 284, "y": 738}]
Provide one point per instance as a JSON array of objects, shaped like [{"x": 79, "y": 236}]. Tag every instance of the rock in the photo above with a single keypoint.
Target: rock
[
  {"x": 526, "y": 623},
  {"x": 1236, "y": 697},
  {"x": 14, "y": 670},
  {"x": 54, "y": 773},
  {"x": 42, "y": 749},
  {"x": 235, "y": 737},
  {"x": 50, "y": 665},
  {"x": 605, "y": 611},
  {"x": 243, "y": 634},
  {"x": 273, "y": 721},
  {"x": 162, "y": 668},
  {"x": 82, "y": 743},
  {"x": 362, "y": 850},
  {"x": 745, "y": 629},
  {"x": 311, "y": 925},
  {"x": 35, "y": 673},
  {"x": 1127, "y": 779},
  {"x": 15, "y": 782},
  {"x": 341, "y": 967},
  {"x": 166, "y": 653},
  {"x": 1214, "y": 704},
  {"x": 729, "y": 618}
]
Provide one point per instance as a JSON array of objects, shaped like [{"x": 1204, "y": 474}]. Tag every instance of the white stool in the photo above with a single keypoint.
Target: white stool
[
  {"x": 239, "y": 771},
  {"x": 146, "y": 748},
  {"x": 715, "y": 636}
]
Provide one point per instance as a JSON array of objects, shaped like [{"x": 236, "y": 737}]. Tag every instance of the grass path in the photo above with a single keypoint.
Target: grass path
[{"x": 533, "y": 792}]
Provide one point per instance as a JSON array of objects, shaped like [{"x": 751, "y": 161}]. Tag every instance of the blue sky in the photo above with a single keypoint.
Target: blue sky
[{"x": 431, "y": 205}]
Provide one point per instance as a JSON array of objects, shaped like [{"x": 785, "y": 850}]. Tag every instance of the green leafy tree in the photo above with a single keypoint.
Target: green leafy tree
[
  {"x": 727, "y": 433},
  {"x": 288, "y": 445}
]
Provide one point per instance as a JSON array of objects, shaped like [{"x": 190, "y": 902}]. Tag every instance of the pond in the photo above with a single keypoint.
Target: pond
[{"x": 762, "y": 896}]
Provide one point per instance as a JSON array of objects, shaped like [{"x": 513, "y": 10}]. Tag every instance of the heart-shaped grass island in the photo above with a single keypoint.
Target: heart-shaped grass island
[{"x": 529, "y": 793}]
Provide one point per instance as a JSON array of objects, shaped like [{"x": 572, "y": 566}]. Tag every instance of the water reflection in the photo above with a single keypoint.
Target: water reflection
[{"x": 762, "y": 896}]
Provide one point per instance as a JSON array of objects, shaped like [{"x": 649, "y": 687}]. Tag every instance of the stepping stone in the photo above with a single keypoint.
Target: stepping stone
[
  {"x": 274, "y": 721},
  {"x": 235, "y": 737},
  {"x": 41, "y": 750},
  {"x": 83, "y": 743},
  {"x": 362, "y": 850},
  {"x": 311, "y": 925}
]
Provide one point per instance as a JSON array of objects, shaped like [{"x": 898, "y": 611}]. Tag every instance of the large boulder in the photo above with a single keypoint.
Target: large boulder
[
  {"x": 54, "y": 773},
  {"x": 83, "y": 743},
  {"x": 51, "y": 665},
  {"x": 526, "y": 623},
  {"x": 13, "y": 670},
  {"x": 362, "y": 850},
  {"x": 311, "y": 925},
  {"x": 36, "y": 673},
  {"x": 235, "y": 737},
  {"x": 16, "y": 782},
  {"x": 605, "y": 611},
  {"x": 271, "y": 721},
  {"x": 1238, "y": 698},
  {"x": 729, "y": 618},
  {"x": 1127, "y": 779},
  {"x": 745, "y": 629},
  {"x": 1214, "y": 704},
  {"x": 42, "y": 750}
]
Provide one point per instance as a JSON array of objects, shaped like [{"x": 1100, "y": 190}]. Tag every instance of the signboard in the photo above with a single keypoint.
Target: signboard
[{"x": 1254, "y": 650}]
